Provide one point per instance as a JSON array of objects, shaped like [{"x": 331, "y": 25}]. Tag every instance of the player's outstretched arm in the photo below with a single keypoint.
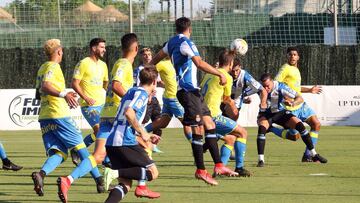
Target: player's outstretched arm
[
  {"x": 314, "y": 89},
  {"x": 202, "y": 65},
  {"x": 70, "y": 97},
  {"x": 158, "y": 57},
  {"x": 75, "y": 84},
  {"x": 263, "y": 98},
  {"x": 297, "y": 100}
]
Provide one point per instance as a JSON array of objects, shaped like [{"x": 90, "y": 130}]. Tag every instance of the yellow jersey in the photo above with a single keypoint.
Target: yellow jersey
[
  {"x": 290, "y": 75},
  {"x": 52, "y": 107},
  {"x": 123, "y": 72},
  {"x": 168, "y": 76},
  {"x": 213, "y": 92},
  {"x": 92, "y": 76}
]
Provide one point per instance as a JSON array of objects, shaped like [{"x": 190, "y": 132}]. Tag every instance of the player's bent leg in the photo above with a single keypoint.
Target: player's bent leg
[
  {"x": 227, "y": 148},
  {"x": 99, "y": 151},
  {"x": 315, "y": 125},
  {"x": 119, "y": 191}
]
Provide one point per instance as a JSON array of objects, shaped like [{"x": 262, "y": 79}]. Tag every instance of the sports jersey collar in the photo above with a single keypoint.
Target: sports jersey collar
[{"x": 181, "y": 35}]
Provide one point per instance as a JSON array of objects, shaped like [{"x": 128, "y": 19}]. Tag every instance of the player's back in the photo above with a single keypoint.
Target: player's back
[
  {"x": 122, "y": 71},
  {"x": 181, "y": 50},
  {"x": 168, "y": 75},
  {"x": 52, "y": 107},
  {"x": 122, "y": 133},
  {"x": 213, "y": 92}
]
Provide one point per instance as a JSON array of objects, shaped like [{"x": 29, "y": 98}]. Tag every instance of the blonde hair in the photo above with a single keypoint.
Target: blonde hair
[{"x": 51, "y": 46}]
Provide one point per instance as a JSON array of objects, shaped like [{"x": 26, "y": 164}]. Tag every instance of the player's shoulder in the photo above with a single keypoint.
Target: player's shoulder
[
  {"x": 102, "y": 63},
  {"x": 123, "y": 63},
  {"x": 50, "y": 65}
]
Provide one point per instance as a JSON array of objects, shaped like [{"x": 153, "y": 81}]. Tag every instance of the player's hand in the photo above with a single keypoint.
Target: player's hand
[
  {"x": 316, "y": 89},
  {"x": 247, "y": 100},
  {"x": 90, "y": 101},
  {"x": 71, "y": 99},
  {"x": 222, "y": 79},
  {"x": 289, "y": 103},
  {"x": 263, "y": 107},
  {"x": 155, "y": 139},
  {"x": 145, "y": 136}
]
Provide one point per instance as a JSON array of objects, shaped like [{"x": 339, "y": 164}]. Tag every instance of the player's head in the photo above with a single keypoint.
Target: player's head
[
  {"x": 267, "y": 82},
  {"x": 292, "y": 55},
  {"x": 146, "y": 55},
  {"x": 129, "y": 43},
  {"x": 97, "y": 47},
  {"x": 236, "y": 68},
  {"x": 183, "y": 25},
  {"x": 226, "y": 59},
  {"x": 53, "y": 49},
  {"x": 148, "y": 76}
]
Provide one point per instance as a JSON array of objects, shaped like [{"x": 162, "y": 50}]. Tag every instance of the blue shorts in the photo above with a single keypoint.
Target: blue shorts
[
  {"x": 106, "y": 125},
  {"x": 60, "y": 134},
  {"x": 304, "y": 112},
  {"x": 92, "y": 114},
  {"x": 172, "y": 107},
  {"x": 224, "y": 125}
]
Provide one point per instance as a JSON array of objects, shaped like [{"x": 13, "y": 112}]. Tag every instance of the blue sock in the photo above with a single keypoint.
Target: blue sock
[
  {"x": 189, "y": 137},
  {"x": 149, "y": 127},
  {"x": 106, "y": 160},
  {"x": 314, "y": 138},
  {"x": 240, "y": 149},
  {"x": 84, "y": 167},
  {"x": 89, "y": 139},
  {"x": 51, "y": 163},
  {"x": 225, "y": 152},
  {"x": 83, "y": 154},
  {"x": 2, "y": 152},
  {"x": 276, "y": 131}
]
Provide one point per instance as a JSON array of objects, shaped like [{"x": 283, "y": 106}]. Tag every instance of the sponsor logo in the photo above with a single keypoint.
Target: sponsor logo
[
  {"x": 349, "y": 103},
  {"x": 24, "y": 109}
]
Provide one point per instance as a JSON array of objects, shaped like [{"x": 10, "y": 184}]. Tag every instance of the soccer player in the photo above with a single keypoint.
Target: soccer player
[
  {"x": 214, "y": 94},
  {"x": 121, "y": 79},
  {"x": 7, "y": 164},
  {"x": 59, "y": 131},
  {"x": 122, "y": 147},
  {"x": 290, "y": 75},
  {"x": 153, "y": 110},
  {"x": 186, "y": 59},
  {"x": 279, "y": 95},
  {"x": 90, "y": 78}
]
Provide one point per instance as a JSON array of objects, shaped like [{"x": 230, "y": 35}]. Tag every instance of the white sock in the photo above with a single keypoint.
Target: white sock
[
  {"x": 261, "y": 157},
  {"x": 142, "y": 182},
  {"x": 313, "y": 152},
  {"x": 70, "y": 178}
]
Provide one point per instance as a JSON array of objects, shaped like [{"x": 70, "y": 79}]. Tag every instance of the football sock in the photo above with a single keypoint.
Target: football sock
[
  {"x": 225, "y": 153},
  {"x": 149, "y": 127},
  {"x": 106, "y": 160},
  {"x": 52, "y": 162},
  {"x": 211, "y": 141},
  {"x": 135, "y": 173},
  {"x": 197, "y": 148},
  {"x": 2, "y": 152},
  {"x": 83, "y": 154},
  {"x": 260, "y": 141},
  {"x": 84, "y": 167},
  {"x": 304, "y": 135},
  {"x": 240, "y": 149},
  {"x": 277, "y": 131},
  {"x": 189, "y": 137},
  {"x": 89, "y": 139},
  {"x": 117, "y": 194},
  {"x": 142, "y": 182},
  {"x": 314, "y": 138}
]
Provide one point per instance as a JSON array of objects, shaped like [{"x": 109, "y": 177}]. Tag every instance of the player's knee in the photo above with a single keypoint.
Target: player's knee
[
  {"x": 300, "y": 127},
  {"x": 315, "y": 125},
  {"x": 229, "y": 140},
  {"x": 241, "y": 132},
  {"x": 152, "y": 173},
  {"x": 262, "y": 130}
]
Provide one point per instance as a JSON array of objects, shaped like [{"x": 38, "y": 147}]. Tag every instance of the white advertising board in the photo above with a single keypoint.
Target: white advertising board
[{"x": 336, "y": 105}]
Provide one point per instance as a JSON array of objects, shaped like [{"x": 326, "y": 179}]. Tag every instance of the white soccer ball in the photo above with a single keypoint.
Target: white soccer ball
[{"x": 240, "y": 46}]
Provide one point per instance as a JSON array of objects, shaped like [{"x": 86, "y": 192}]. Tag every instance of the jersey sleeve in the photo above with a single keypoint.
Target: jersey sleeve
[
  {"x": 119, "y": 73},
  {"x": 79, "y": 70},
  {"x": 253, "y": 85},
  {"x": 282, "y": 74},
  {"x": 139, "y": 101},
  {"x": 165, "y": 48},
  {"x": 287, "y": 91},
  {"x": 51, "y": 72},
  {"x": 188, "y": 49}
]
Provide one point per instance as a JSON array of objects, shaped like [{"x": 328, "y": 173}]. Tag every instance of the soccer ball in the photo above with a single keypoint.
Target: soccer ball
[{"x": 240, "y": 46}]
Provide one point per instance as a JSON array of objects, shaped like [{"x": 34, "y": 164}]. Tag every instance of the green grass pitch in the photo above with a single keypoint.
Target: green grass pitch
[{"x": 284, "y": 179}]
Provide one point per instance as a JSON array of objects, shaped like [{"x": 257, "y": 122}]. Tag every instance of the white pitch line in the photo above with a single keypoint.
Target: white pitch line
[{"x": 319, "y": 174}]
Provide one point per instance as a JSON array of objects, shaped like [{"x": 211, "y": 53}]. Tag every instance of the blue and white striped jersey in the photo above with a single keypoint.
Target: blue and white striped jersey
[
  {"x": 245, "y": 85},
  {"x": 122, "y": 133},
  {"x": 181, "y": 49},
  {"x": 275, "y": 98}
]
